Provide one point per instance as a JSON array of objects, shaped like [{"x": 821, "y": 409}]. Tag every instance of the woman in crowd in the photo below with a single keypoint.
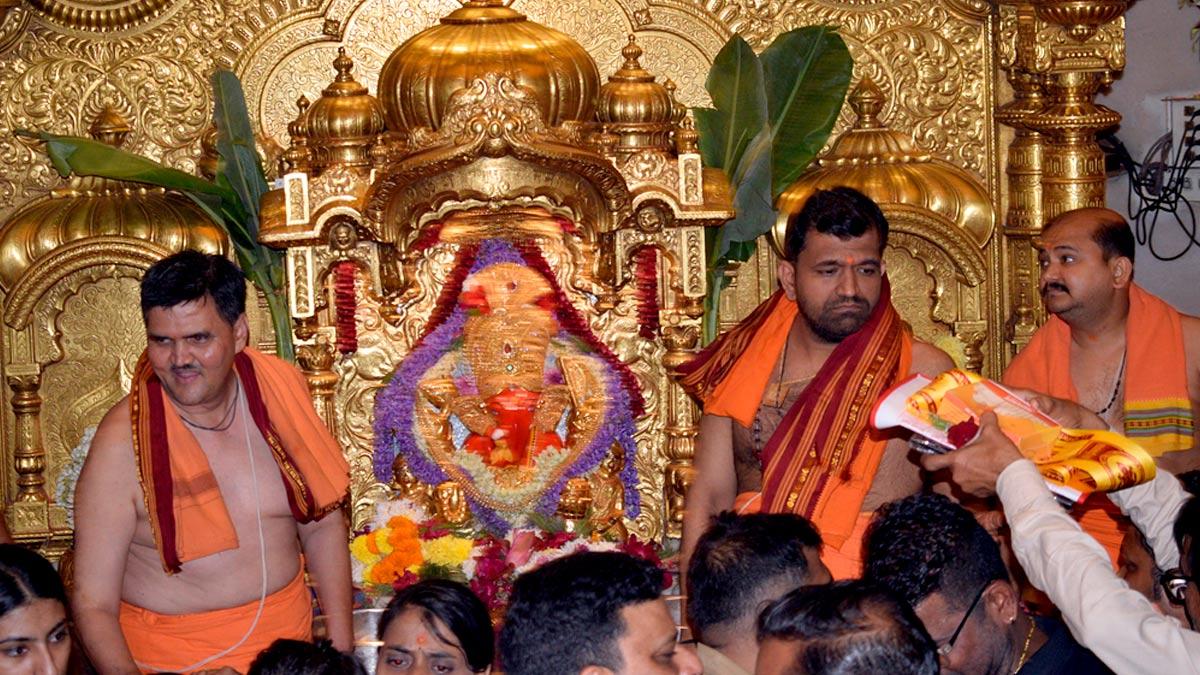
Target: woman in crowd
[
  {"x": 435, "y": 626},
  {"x": 35, "y": 635}
]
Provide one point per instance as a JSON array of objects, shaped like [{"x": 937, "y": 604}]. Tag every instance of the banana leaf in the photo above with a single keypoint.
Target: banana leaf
[
  {"x": 806, "y": 73},
  {"x": 87, "y": 157},
  {"x": 735, "y": 83},
  {"x": 238, "y": 163}
]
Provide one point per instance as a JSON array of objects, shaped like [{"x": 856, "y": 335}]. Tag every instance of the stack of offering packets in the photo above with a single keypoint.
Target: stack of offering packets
[{"x": 943, "y": 413}]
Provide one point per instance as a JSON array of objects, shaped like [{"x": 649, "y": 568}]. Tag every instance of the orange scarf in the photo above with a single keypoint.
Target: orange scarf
[
  {"x": 1158, "y": 412},
  {"x": 187, "y": 513},
  {"x": 822, "y": 458}
]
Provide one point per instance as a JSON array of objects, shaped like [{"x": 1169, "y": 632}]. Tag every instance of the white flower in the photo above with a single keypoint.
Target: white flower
[{"x": 68, "y": 476}]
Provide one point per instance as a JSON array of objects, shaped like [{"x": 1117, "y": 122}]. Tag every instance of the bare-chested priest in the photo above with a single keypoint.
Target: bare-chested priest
[
  {"x": 201, "y": 491},
  {"x": 1112, "y": 347},
  {"x": 787, "y": 393}
]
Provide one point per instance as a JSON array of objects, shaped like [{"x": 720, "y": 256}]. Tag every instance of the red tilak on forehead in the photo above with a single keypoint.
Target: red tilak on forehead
[{"x": 422, "y": 638}]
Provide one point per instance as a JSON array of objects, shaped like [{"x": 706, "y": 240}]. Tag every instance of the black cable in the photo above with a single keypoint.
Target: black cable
[{"x": 1158, "y": 184}]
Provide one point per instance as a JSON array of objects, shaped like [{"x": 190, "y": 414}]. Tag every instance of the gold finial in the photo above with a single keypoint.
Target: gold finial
[
  {"x": 867, "y": 101},
  {"x": 343, "y": 65},
  {"x": 109, "y": 127},
  {"x": 632, "y": 52},
  {"x": 686, "y": 139}
]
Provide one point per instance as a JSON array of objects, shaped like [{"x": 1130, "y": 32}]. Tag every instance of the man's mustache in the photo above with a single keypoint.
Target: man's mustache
[
  {"x": 1054, "y": 286},
  {"x": 857, "y": 302},
  {"x": 179, "y": 370}
]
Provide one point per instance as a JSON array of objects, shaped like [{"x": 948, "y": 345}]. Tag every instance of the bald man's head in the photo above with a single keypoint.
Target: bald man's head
[{"x": 1108, "y": 229}]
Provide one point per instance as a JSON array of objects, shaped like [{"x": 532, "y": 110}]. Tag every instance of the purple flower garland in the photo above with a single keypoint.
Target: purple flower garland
[{"x": 394, "y": 405}]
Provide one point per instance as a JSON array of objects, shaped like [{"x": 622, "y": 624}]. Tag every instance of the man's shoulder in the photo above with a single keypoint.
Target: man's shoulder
[
  {"x": 929, "y": 360},
  {"x": 114, "y": 433}
]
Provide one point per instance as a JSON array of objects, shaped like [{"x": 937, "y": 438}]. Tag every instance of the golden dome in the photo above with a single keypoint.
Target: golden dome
[
  {"x": 89, "y": 207},
  {"x": 884, "y": 165},
  {"x": 485, "y": 36},
  {"x": 343, "y": 123},
  {"x": 635, "y": 107}
]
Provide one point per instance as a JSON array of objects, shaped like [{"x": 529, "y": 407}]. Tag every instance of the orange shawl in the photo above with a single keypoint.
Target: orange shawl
[
  {"x": 1158, "y": 412},
  {"x": 822, "y": 458},
  {"x": 187, "y": 514}
]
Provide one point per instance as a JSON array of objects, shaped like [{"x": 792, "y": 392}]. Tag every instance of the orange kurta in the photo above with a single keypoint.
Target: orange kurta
[
  {"x": 822, "y": 458},
  {"x": 1158, "y": 412}
]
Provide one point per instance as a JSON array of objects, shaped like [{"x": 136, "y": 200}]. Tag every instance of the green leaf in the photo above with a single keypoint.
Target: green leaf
[
  {"x": 806, "y": 73},
  {"x": 87, "y": 157},
  {"x": 753, "y": 202},
  {"x": 735, "y": 83},
  {"x": 239, "y": 163}
]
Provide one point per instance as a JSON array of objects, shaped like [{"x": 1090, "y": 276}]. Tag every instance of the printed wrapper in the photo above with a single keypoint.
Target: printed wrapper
[{"x": 1080, "y": 461}]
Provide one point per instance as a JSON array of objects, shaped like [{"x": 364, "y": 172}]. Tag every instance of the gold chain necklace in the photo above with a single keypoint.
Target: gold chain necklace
[{"x": 1025, "y": 649}]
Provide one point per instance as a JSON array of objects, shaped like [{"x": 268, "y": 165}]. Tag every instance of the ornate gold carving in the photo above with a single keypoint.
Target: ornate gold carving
[{"x": 109, "y": 16}]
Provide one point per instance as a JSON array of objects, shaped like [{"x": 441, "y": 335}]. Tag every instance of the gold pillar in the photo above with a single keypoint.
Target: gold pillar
[
  {"x": 29, "y": 455},
  {"x": 1024, "y": 218},
  {"x": 1078, "y": 46},
  {"x": 681, "y": 335},
  {"x": 316, "y": 362}
]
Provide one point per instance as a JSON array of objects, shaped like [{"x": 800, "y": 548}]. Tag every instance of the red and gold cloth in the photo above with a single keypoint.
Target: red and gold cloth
[
  {"x": 187, "y": 513},
  {"x": 822, "y": 458}
]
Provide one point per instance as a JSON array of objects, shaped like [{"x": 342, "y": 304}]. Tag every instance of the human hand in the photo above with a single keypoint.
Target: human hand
[
  {"x": 1067, "y": 413},
  {"x": 976, "y": 466}
]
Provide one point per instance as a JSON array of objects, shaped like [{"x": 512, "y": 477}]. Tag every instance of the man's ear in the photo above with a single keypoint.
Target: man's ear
[
  {"x": 1001, "y": 602},
  {"x": 1122, "y": 271},
  {"x": 241, "y": 332},
  {"x": 785, "y": 272}
]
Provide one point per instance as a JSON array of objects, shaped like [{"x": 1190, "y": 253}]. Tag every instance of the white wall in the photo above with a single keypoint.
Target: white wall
[{"x": 1160, "y": 63}]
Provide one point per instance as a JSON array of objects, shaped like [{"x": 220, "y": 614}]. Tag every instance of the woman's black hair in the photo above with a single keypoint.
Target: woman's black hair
[
  {"x": 458, "y": 608},
  {"x": 26, "y": 576}
]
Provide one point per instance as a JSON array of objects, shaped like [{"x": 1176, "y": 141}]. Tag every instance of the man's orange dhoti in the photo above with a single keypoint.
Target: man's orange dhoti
[
  {"x": 171, "y": 643},
  {"x": 821, "y": 460},
  {"x": 1158, "y": 412}
]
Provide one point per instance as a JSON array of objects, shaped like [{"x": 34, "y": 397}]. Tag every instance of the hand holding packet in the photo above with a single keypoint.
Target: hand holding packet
[{"x": 944, "y": 414}]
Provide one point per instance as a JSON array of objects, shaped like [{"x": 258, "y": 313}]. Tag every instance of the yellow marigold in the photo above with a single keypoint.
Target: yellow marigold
[
  {"x": 449, "y": 550},
  {"x": 361, "y": 550},
  {"x": 379, "y": 542}
]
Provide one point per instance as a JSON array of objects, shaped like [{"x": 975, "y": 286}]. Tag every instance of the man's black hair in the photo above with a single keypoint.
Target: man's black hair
[
  {"x": 738, "y": 559},
  {"x": 927, "y": 544},
  {"x": 191, "y": 275},
  {"x": 1187, "y": 526},
  {"x": 294, "y": 657},
  {"x": 850, "y": 628},
  {"x": 566, "y": 614},
  {"x": 458, "y": 608},
  {"x": 842, "y": 212}
]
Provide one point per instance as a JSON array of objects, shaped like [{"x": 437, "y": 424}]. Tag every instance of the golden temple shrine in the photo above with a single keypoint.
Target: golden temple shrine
[{"x": 494, "y": 215}]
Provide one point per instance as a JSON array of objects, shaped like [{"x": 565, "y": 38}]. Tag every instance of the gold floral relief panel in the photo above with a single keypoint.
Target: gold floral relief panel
[
  {"x": 56, "y": 74},
  {"x": 99, "y": 336}
]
